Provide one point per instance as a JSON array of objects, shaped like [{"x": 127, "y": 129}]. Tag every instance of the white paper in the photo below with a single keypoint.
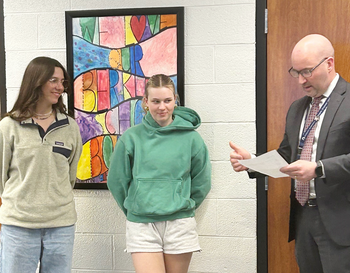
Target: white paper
[{"x": 269, "y": 163}]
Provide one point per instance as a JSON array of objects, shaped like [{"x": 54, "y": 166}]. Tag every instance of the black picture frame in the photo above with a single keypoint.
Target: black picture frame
[
  {"x": 3, "y": 91},
  {"x": 88, "y": 20}
]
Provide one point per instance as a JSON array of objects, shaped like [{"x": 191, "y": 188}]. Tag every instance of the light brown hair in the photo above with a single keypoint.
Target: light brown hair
[
  {"x": 156, "y": 81},
  {"x": 37, "y": 73}
]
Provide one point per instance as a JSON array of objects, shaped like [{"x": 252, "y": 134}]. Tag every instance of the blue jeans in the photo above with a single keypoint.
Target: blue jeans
[{"x": 23, "y": 248}]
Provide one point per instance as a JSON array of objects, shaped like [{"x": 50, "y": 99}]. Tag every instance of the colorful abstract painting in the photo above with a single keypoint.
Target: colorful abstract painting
[{"x": 110, "y": 56}]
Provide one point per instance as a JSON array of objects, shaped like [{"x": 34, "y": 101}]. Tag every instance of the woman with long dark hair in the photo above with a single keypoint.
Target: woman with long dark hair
[{"x": 40, "y": 146}]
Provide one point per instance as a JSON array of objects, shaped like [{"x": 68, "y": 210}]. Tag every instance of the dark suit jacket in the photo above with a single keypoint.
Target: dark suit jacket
[{"x": 333, "y": 148}]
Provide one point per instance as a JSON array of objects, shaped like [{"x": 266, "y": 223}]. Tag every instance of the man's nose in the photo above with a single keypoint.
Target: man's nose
[{"x": 301, "y": 79}]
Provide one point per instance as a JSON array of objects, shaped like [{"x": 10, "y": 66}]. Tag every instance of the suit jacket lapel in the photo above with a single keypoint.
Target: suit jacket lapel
[{"x": 335, "y": 100}]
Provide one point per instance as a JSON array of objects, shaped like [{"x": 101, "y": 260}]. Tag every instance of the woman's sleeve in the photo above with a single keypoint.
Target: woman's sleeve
[
  {"x": 200, "y": 175},
  {"x": 119, "y": 174},
  {"x": 5, "y": 160},
  {"x": 75, "y": 155}
]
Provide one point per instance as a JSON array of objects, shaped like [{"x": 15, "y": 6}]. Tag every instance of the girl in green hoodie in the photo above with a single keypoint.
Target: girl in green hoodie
[{"x": 160, "y": 173}]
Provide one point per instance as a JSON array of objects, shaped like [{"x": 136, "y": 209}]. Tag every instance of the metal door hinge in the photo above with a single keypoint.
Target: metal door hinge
[{"x": 266, "y": 183}]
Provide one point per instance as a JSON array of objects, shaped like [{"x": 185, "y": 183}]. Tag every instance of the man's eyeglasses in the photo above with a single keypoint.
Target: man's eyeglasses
[
  {"x": 56, "y": 81},
  {"x": 306, "y": 73}
]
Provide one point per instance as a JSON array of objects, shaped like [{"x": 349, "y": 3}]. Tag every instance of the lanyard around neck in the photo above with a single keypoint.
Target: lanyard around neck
[{"x": 306, "y": 131}]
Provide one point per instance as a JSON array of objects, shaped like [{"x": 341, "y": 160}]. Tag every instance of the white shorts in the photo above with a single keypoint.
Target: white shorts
[{"x": 170, "y": 237}]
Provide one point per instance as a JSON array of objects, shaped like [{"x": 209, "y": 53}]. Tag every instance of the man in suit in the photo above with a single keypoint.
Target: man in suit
[{"x": 320, "y": 224}]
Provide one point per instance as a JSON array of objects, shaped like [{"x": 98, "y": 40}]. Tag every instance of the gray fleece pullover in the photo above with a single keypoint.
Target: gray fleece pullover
[{"x": 38, "y": 172}]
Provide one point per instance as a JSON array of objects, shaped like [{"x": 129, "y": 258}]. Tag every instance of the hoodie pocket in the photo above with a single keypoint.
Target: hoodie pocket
[{"x": 159, "y": 197}]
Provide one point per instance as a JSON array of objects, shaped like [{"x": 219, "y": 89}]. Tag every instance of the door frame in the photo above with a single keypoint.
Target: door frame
[{"x": 261, "y": 132}]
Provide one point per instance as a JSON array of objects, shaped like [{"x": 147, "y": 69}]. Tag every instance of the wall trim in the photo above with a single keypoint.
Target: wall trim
[{"x": 261, "y": 133}]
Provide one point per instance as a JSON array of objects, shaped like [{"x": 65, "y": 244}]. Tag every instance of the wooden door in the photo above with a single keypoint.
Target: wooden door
[{"x": 288, "y": 22}]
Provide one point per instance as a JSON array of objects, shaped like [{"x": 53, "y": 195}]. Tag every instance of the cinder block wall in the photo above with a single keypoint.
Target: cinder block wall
[{"x": 219, "y": 85}]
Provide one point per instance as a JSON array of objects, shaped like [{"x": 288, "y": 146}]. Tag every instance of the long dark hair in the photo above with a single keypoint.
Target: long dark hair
[{"x": 37, "y": 73}]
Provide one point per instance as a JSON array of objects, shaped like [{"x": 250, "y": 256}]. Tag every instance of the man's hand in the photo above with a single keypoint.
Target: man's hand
[
  {"x": 300, "y": 170},
  {"x": 238, "y": 153}
]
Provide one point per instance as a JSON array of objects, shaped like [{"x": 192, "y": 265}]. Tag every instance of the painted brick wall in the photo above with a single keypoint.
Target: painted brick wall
[{"x": 219, "y": 85}]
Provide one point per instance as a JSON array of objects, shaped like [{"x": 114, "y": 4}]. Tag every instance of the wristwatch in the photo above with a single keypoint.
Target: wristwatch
[{"x": 319, "y": 169}]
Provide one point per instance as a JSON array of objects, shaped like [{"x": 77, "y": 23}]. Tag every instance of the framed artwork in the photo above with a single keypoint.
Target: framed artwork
[
  {"x": 111, "y": 54},
  {"x": 3, "y": 91}
]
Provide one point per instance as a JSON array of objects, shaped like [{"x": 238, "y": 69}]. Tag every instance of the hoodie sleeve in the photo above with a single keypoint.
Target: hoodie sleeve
[
  {"x": 119, "y": 174},
  {"x": 200, "y": 175}
]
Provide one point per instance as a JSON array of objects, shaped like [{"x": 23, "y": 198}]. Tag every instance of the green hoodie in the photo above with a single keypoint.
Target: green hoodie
[{"x": 160, "y": 173}]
